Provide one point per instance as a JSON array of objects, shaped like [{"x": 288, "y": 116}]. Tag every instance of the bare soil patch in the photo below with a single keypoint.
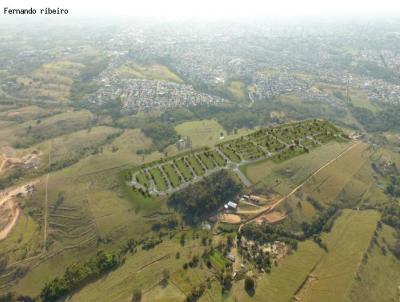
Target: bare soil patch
[{"x": 230, "y": 218}]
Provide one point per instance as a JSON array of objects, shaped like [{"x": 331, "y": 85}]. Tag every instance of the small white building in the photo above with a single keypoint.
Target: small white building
[{"x": 230, "y": 205}]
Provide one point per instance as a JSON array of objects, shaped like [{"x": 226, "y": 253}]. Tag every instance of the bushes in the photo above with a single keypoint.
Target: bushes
[
  {"x": 161, "y": 134},
  {"x": 77, "y": 276},
  {"x": 269, "y": 233},
  {"x": 322, "y": 222}
]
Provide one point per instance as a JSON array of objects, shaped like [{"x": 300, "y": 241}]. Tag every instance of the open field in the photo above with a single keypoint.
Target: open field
[
  {"x": 206, "y": 132},
  {"x": 143, "y": 270},
  {"x": 33, "y": 132},
  {"x": 238, "y": 90},
  {"x": 379, "y": 276},
  {"x": 69, "y": 148},
  {"x": 286, "y": 175},
  {"x": 331, "y": 279},
  {"x": 327, "y": 184},
  {"x": 26, "y": 113},
  {"x": 150, "y": 72},
  {"x": 51, "y": 81},
  {"x": 334, "y": 270},
  {"x": 87, "y": 210}
]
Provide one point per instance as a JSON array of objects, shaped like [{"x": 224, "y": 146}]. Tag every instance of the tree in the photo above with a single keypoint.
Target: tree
[
  {"x": 166, "y": 274},
  {"x": 137, "y": 295},
  {"x": 249, "y": 285}
]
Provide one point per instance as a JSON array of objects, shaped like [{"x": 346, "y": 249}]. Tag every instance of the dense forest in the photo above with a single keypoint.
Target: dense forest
[{"x": 201, "y": 199}]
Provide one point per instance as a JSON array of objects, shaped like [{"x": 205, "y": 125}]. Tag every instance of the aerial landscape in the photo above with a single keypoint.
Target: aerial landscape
[{"x": 223, "y": 159}]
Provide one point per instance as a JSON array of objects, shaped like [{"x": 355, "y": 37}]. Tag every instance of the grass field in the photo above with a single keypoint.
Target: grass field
[
  {"x": 238, "y": 90},
  {"x": 150, "y": 72},
  {"x": 326, "y": 185},
  {"x": 33, "y": 132},
  {"x": 50, "y": 81},
  {"x": 143, "y": 270},
  {"x": 335, "y": 270},
  {"x": 71, "y": 147},
  {"x": 284, "y": 176},
  {"x": 206, "y": 132},
  {"x": 379, "y": 276}
]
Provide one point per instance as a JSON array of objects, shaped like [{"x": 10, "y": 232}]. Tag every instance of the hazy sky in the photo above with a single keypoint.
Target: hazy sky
[{"x": 215, "y": 9}]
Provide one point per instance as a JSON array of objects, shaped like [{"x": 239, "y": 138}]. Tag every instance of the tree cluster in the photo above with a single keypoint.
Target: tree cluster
[
  {"x": 201, "y": 199},
  {"x": 78, "y": 275}
]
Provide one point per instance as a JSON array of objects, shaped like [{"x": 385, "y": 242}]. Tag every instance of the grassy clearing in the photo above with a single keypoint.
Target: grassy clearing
[
  {"x": 379, "y": 276},
  {"x": 150, "y": 72},
  {"x": 206, "y": 132},
  {"x": 326, "y": 185},
  {"x": 33, "y": 132},
  {"x": 71, "y": 147},
  {"x": 284, "y": 176},
  {"x": 143, "y": 270},
  {"x": 51, "y": 81},
  {"x": 336, "y": 270},
  {"x": 238, "y": 90},
  {"x": 217, "y": 260},
  {"x": 26, "y": 113},
  {"x": 360, "y": 99}
]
